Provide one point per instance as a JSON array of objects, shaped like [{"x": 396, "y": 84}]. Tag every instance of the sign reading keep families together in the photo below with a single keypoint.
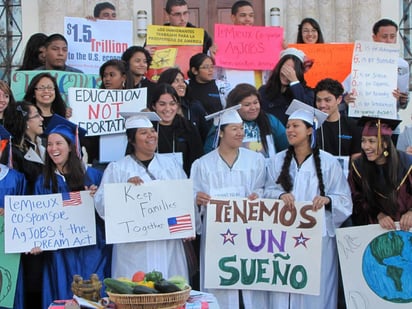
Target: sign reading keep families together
[{"x": 263, "y": 245}]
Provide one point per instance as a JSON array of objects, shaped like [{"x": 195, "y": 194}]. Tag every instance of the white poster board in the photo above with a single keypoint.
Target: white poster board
[
  {"x": 92, "y": 43},
  {"x": 374, "y": 78},
  {"x": 160, "y": 209},
  {"x": 49, "y": 221},
  {"x": 376, "y": 267},
  {"x": 280, "y": 249},
  {"x": 98, "y": 110}
]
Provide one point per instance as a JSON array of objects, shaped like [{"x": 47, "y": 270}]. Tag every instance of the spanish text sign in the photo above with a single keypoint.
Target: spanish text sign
[
  {"x": 92, "y": 43},
  {"x": 376, "y": 266},
  {"x": 263, "y": 245},
  {"x": 248, "y": 47},
  {"x": 374, "y": 78},
  {"x": 49, "y": 221},
  {"x": 160, "y": 209},
  {"x": 168, "y": 35},
  {"x": 98, "y": 110}
]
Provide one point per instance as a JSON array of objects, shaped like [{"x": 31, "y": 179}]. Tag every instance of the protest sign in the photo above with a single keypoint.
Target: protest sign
[
  {"x": 21, "y": 79},
  {"x": 174, "y": 46},
  {"x": 9, "y": 270},
  {"x": 263, "y": 245},
  {"x": 92, "y": 43},
  {"x": 373, "y": 79},
  {"x": 98, "y": 110},
  {"x": 376, "y": 267},
  {"x": 49, "y": 221},
  {"x": 160, "y": 209},
  {"x": 248, "y": 47},
  {"x": 331, "y": 60}
]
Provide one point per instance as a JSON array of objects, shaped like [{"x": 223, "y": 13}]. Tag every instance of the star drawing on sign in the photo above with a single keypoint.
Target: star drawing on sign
[
  {"x": 228, "y": 236},
  {"x": 300, "y": 240}
]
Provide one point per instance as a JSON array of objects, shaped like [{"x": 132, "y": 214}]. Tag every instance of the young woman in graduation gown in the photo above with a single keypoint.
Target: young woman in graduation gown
[
  {"x": 65, "y": 172},
  {"x": 229, "y": 170},
  {"x": 141, "y": 165},
  {"x": 305, "y": 173}
]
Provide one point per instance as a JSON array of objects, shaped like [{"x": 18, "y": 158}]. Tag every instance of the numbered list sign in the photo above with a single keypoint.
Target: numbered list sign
[
  {"x": 374, "y": 77},
  {"x": 92, "y": 43}
]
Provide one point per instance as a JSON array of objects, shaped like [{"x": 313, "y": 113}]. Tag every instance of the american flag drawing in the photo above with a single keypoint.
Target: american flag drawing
[
  {"x": 180, "y": 223},
  {"x": 71, "y": 198}
]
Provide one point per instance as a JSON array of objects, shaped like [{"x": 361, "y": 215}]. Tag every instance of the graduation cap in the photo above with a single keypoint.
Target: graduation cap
[
  {"x": 66, "y": 128},
  {"x": 373, "y": 126},
  {"x": 140, "y": 119},
  {"x": 225, "y": 116},
  {"x": 307, "y": 113},
  {"x": 5, "y": 138}
]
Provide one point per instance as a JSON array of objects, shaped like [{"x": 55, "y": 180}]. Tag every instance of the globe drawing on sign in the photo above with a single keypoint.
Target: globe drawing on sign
[{"x": 387, "y": 266}]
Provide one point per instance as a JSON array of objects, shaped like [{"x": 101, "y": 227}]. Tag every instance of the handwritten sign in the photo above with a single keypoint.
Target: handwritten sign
[
  {"x": 92, "y": 43},
  {"x": 9, "y": 270},
  {"x": 262, "y": 245},
  {"x": 98, "y": 110},
  {"x": 21, "y": 79},
  {"x": 374, "y": 77},
  {"x": 49, "y": 221},
  {"x": 174, "y": 47},
  {"x": 160, "y": 209},
  {"x": 248, "y": 47},
  {"x": 381, "y": 262},
  {"x": 333, "y": 60}
]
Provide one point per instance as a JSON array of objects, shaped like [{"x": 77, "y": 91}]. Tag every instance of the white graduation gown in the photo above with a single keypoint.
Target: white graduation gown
[
  {"x": 305, "y": 188},
  {"x": 213, "y": 176},
  {"x": 167, "y": 256}
]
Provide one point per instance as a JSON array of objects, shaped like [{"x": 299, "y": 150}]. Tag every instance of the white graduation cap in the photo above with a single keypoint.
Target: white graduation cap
[
  {"x": 140, "y": 119},
  {"x": 226, "y": 116},
  {"x": 305, "y": 112}
]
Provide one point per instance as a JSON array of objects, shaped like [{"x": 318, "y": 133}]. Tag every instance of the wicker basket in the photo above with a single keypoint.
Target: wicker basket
[{"x": 150, "y": 301}]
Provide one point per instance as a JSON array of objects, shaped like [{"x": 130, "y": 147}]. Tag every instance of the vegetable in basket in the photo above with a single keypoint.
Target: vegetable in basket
[{"x": 154, "y": 276}]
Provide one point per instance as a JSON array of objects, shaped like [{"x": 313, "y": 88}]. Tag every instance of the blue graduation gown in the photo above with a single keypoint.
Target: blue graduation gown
[{"x": 61, "y": 265}]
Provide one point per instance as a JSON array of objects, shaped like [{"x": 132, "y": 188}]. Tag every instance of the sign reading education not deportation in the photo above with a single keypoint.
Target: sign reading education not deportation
[
  {"x": 98, "y": 110},
  {"x": 92, "y": 43},
  {"x": 263, "y": 245},
  {"x": 49, "y": 221},
  {"x": 160, "y": 209}
]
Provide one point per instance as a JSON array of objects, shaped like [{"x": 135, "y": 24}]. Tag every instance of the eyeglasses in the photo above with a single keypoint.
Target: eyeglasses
[
  {"x": 44, "y": 88},
  {"x": 307, "y": 31},
  {"x": 34, "y": 116},
  {"x": 179, "y": 14},
  {"x": 207, "y": 67}
]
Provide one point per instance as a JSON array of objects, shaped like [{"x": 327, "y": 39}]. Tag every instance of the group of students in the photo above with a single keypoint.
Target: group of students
[{"x": 255, "y": 148}]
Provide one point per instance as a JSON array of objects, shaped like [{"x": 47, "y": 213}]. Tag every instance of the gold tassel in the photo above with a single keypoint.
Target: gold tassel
[{"x": 379, "y": 136}]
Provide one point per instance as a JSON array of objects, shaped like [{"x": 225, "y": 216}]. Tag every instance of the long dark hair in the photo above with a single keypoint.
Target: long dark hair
[
  {"x": 75, "y": 178},
  {"x": 58, "y": 106},
  {"x": 285, "y": 180},
  {"x": 315, "y": 25},
  {"x": 371, "y": 178},
  {"x": 236, "y": 95},
  {"x": 16, "y": 124},
  {"x": 274, "y": 86},
  {"x": 32, "y": 51}
]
